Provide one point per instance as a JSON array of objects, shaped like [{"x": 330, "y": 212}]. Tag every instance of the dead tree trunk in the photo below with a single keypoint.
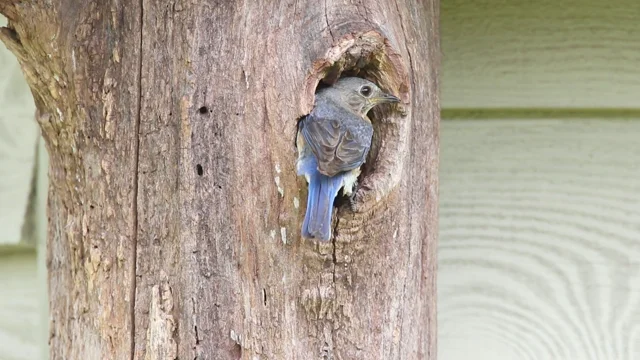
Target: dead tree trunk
[{"x": 174, "y": 205}]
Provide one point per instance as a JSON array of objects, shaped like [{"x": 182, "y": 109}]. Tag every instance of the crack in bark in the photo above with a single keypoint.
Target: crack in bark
[
  {"x": 333, "y": 241},
  {"x": 335, "y": 287},
  {"x": 326, "y": 19},
  {"x": 136, "y": 151},
  {"x": 406, "y": 47}
]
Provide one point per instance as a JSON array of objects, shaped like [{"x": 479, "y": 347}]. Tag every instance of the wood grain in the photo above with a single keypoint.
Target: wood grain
[
  {"x": 540, "y": 54},
  {"x": 40, "y": 221},
  {"x": 539, "y": 239},
  {"x": 19, "y": 306},
  {"x": 175, "y": 209},
  {"x": 18, "y": 135},
  {"x": 225, "y": 240},
  {"x": 91, "y": 136}
]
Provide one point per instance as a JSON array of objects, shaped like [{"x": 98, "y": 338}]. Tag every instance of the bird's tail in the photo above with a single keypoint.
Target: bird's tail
[{"x": 322, "y": 191}]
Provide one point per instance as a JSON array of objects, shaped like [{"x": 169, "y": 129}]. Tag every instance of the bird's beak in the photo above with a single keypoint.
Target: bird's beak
[{"x": 386, "y": 98}]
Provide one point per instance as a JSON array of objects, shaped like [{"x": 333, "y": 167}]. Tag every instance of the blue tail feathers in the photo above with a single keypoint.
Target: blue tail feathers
[{"x": 322, "y": 192}]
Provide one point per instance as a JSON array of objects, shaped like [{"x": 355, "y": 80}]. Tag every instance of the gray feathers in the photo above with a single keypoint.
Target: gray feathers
[{"x": 339, "y": 145}]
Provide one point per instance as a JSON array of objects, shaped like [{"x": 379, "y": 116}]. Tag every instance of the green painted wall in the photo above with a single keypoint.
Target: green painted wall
[
  {"x": 539, "y": 238},
  {"x": 18, "y": 137},
  {"x": 19, "y": 306},
  {"x": 540, "y": 54},
  {"x": 539, "y": 190}
]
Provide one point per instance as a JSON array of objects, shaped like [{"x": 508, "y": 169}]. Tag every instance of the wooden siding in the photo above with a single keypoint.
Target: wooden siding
[
  {"x": 540, "y": 54},
  {"x": 18, "y": 137},
  {"x": 539, "y": 239},
  {"x": 19, "y": 306}
]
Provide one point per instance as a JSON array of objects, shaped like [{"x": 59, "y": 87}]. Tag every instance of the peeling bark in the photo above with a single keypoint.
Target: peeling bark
[{"x": 174, "y": 206}]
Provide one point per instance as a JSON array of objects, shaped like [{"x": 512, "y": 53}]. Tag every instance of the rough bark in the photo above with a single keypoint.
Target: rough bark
[{"x": 174, "y": 206}]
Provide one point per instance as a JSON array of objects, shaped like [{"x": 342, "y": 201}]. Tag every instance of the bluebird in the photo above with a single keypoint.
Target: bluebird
[{"x": 333, "y": 142}]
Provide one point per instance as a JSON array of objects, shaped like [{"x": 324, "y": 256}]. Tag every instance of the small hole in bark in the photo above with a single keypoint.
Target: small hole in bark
[
  {"x": 203, "y": 110},
  {"x": 199, "y": 170},
  {"x": 237, "y": 349},
  {"x": 195, "y": 328},
  {"x": 264, "y": 296}
]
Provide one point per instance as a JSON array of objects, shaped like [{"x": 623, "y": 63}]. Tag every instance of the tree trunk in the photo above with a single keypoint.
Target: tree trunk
[{"x": 174, "y": 205}]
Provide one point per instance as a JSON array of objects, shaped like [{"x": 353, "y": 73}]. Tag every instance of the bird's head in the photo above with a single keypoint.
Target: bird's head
[{"x": 359, "y": 95}]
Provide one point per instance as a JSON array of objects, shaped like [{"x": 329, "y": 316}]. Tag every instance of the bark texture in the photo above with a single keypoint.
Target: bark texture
[{"x": 174, "y": 206}]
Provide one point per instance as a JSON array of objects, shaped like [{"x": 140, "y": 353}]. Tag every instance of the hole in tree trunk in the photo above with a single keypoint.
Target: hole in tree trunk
[{"x": 371, "y": 56}]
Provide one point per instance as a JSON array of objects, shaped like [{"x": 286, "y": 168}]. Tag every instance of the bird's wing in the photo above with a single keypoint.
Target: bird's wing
[{"x": 338, "y": 144}]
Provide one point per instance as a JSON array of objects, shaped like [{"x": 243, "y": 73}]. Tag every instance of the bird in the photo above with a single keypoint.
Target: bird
[{"x": 333, "y": 141}]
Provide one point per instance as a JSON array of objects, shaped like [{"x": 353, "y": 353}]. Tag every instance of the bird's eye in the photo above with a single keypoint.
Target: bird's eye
[{"x": 365, "y": 91}]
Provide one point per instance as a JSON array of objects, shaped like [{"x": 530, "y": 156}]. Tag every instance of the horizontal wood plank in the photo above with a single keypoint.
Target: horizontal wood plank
[
  {"x": 539, "y": 239},
  {"x": 19, "y": 306},
  {"x": 540, "y": 54}
]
